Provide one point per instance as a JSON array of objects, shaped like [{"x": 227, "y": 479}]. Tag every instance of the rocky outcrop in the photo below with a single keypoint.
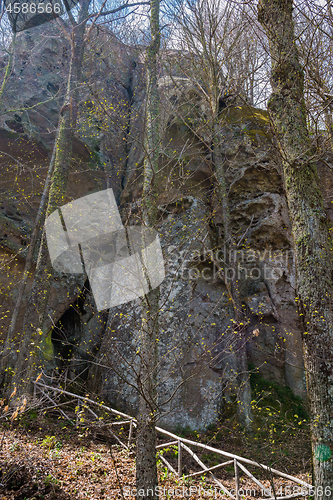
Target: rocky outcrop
[{"x": 196, "y": 342}]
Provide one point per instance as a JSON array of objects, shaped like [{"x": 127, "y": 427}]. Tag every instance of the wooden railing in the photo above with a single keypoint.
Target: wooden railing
[{"x": 49, "y": 392}]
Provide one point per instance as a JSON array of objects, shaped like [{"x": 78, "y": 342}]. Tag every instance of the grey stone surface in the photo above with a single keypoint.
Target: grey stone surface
[{"x": 196, "y": 355}]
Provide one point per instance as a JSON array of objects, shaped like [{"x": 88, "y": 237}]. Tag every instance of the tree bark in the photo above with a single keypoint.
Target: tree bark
[
  {"x": 25, "y": 358},
  {"x": 146, "y": 469},
  {"x": 8, "y": 71},
  {"x": 10, "y": 338},
  {"x": 310, "y": 226},
  {"x": 201, "y": 24},
  {"x": 244, "y": 398}
]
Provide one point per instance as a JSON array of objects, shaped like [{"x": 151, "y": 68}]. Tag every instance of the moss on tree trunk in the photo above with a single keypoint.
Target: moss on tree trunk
[
  {"x": 311, "y": 231},
  {"x": 24, "y": 355}
]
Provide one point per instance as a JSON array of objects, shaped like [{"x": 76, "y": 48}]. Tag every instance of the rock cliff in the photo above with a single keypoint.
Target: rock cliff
[{"x": 197, "y": 359}]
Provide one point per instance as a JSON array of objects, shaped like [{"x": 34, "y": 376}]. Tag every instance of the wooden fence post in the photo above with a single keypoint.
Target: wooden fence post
[
  {"x": 179, "y": 459},
  {"x": 130, "y": 434},
  {"x": 77, "y": 413},
  {"x": 236, "y": 478}
]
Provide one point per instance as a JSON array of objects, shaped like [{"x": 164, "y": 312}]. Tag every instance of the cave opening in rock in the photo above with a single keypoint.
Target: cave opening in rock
[{"x": 67, "y": 332}]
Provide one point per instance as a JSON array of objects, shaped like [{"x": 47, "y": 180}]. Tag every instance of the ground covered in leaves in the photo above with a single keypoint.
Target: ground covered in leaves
[{"x": 43, "y": 456}]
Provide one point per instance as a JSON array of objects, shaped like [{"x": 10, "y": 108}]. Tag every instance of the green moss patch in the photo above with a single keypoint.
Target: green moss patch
[{"x": 243, "y": 114}]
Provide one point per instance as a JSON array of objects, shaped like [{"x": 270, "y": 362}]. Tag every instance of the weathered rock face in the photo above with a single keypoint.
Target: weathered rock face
[
  {"x": 28, "y": 122},
  {"x": 196, "y": 341}
]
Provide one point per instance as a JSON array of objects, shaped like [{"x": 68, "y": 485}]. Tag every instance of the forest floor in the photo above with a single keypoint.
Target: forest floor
[{"x": 44, "y": 457}]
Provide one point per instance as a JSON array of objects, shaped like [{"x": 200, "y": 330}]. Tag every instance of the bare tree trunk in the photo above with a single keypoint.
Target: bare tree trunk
[
  {"x": 39, "y": 294},
  {"x": 244, "y": 411},
  {"x": 310, "y": 226},
  {"x": 146, "y": 470},
  {"x": 33, "y": 240},
  {"x": 8, "y": 68},
  {"x": 26, "y": 361},
  {"x": 8, "y": 354},
  {"x": 328, "y": 123}
]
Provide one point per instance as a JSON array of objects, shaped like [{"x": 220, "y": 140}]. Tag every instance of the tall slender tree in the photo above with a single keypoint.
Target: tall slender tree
[
  {"x": 146, "y": 470},
  {"x": 311, "y": 230},
  {"x": 38, "y": 298},
  {"x": 210, "y": 42},
  {"x": 77, "y": 33}
]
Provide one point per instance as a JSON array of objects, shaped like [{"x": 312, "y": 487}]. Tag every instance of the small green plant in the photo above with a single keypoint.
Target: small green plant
[
  {"x": 174, "y": 449},
  {"x": 202, "y": 482},
  {"x": 58, "y": 445},
  {"x": 51, "y": 443},
  {"x": 14, "y": 447},
  {"x": 55, "y": 455},
  {"x": 49, "y": 480},
  {"x": 187, "y": 480},
  {"x": 95, "y": 456},
  {"x": 164, "y": 473}
]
